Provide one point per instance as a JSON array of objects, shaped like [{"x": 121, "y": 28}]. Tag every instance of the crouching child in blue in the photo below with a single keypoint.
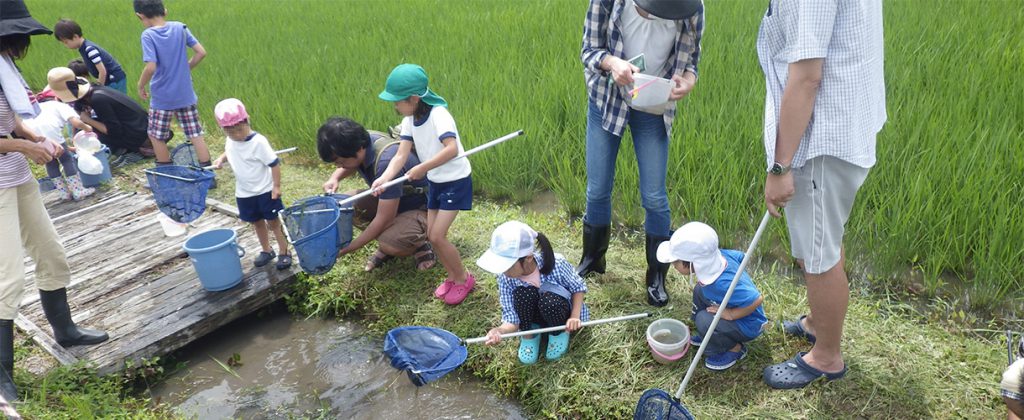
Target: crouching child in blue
[
  {"x": 536, "y": 290},
  {"x": 693, "y": 251}
]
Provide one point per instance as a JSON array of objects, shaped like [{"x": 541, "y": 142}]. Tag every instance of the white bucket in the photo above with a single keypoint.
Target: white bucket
[
  {"x": 669, "y": 339},
  {"x": 171, "y": 228},
  {"x": 653, "y": 94}
]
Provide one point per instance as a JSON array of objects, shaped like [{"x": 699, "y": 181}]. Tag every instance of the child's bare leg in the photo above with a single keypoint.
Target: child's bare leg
[
  {"x": 282, "y": 241},
  {"x": 160, "y": 150},
  {"x": 202, "y": 152},
  {"x": 438, "y": 223},
  {"x": 260, "y": 226}
]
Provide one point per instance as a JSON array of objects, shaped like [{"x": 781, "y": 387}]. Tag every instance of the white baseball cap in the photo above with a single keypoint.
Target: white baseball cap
[
  {"x": 696, "y": 243},
  {"x": 509, "y": 242}
]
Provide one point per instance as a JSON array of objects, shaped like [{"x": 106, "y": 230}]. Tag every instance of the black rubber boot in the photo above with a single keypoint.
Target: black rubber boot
[
  {"x": 7, "y": 388},
  {"x": 595, "y": 244},
  {"x": 67, "y": 334},
  {"x": 656, "y": 272}
]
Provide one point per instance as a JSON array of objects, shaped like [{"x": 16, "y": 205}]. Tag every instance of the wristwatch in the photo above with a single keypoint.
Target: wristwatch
[{"x": 778, "y": 169}]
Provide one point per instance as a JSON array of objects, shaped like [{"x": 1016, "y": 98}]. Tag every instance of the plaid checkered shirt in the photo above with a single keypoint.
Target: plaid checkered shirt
[
  {"x": 603, "y": 36},
  {"x": 564, "y": 274}
]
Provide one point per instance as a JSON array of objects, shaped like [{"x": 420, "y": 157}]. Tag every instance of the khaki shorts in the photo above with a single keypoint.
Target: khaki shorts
[
  {"x": 816, "y": 216},
  {"x": 407, "y": 232}
]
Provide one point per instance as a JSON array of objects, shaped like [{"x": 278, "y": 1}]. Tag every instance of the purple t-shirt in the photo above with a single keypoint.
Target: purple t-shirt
[{"x": 167, "y": 46}]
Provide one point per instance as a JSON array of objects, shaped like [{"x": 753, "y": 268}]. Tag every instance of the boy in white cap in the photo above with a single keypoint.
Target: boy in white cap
[
  {"x": 693, "y": 250},
  {"x": 536, "y": 290},
  {"x": 257, "y": 179}
]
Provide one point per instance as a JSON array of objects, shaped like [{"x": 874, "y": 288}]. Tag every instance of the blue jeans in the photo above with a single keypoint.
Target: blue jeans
[
  {"x": 120, "y": 85},
  {"x": 650, "y": 142}
]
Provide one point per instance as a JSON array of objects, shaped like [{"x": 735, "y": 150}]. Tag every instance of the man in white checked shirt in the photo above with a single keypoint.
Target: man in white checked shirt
[{"x": 825, "y": 103}]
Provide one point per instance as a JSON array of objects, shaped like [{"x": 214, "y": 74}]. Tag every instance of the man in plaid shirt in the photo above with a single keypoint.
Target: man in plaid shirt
[{"x": 666, "y": 34}]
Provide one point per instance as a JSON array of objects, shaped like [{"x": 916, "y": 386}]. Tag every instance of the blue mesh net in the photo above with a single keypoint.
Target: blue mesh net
[
  {"x": 318, "y": 230},
  {"x": 656, "y": 404},
  {"x": 425, "y": 354},
  {"x": 183, "y": 197}
]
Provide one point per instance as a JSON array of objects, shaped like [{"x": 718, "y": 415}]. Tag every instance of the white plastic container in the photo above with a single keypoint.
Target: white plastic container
[
  {"x": 669, "y": 339},
  {"x": 171, "y": 228},
  {"x": 653, "y": 91}
]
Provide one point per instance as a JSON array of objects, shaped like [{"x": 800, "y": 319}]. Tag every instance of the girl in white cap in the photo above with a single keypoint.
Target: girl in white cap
[
  {"x": 693, "y": 251},
  {"x": 536, "y": 290}
]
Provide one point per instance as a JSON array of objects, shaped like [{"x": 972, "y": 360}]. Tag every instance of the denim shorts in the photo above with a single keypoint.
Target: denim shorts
[{"x": 454, "y": 195}]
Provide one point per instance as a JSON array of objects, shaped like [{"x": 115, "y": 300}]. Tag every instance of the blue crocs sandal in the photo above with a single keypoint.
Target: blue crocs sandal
[
  {"x": 558, "y": 344},
  {"x": 529, "y": 348},
  {"x": 264, "y": 258},
  {"x": 283, "y": 261},
  {"x": 796, "y": 373},
  {"x": 725, "y": 360},
  {"x": 796, "y": 328}
]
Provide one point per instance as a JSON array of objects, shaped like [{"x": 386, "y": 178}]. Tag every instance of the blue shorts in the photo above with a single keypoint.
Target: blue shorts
[
  {"x": 258, "y": 207},
  {"x": 454, "y": 195}
]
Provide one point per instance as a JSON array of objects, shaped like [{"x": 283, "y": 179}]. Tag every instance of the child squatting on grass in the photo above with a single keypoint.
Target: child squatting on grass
[
  {"x": 536, "y": 290},
  {"x": 693, "y": 250},
  {"x": 257, "y": 179},
  {"x": 431, "y": 129},
  {"x": 1013, "y": 386}
]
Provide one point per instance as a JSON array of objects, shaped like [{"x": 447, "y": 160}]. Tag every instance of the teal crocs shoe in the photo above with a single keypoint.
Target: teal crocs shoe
[
  {"x": 529, "y": 348},
  {"x": 558, "y": 344}
]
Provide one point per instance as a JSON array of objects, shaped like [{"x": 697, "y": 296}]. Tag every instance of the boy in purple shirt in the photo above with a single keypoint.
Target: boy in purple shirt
[{"x": 168, "y": 72}]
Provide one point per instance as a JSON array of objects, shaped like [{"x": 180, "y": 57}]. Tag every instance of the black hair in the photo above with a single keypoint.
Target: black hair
[
  {"x": 85, "y": 102},
  {"x": 149, "y": 8},
  {"x": 340, "y": 137},
  {"x": 546, "y": 253},
  {"x": 15, "y": 45},
  {"x": 422, "y": 110},
  {"x": 66, "y": 29},
  {"x": 79, "y": 68}
]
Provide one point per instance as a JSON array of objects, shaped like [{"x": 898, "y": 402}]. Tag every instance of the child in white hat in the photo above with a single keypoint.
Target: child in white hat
[
  {"x": 536, "y": 290},
  {"x": 693, "y": 251}
]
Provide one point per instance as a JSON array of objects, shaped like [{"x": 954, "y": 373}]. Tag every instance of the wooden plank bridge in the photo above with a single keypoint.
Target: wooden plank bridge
[{"x": 135, "y": 283}]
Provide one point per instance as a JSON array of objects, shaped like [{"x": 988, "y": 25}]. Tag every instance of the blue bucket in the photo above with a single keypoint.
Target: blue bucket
[
  {"x": 94, "y": 180},
  {"x": 318, "y": 230},
  {"x": 217, "y": 258}
]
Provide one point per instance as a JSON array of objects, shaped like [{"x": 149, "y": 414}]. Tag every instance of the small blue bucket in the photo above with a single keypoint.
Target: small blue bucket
[
  {"x": 217, "y": 258},
  {"x": 95, "y": 180}
]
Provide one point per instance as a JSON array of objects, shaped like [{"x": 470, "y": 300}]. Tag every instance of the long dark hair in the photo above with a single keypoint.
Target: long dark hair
[
  {"x": 546, "y": 253},
  {"x": 15, "y": 45}
]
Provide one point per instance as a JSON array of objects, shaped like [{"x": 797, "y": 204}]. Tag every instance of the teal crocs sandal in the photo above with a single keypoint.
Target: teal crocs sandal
[
  {"x": 558, "y": 344},
  {"x": 529, "y": 348}
]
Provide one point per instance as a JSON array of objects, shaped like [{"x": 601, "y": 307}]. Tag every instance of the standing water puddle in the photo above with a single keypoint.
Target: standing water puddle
[{"x": 313, "y": 368}]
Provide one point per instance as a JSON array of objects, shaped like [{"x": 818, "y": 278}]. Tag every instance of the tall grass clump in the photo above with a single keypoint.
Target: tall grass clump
[{"x": 945, "y": 198}]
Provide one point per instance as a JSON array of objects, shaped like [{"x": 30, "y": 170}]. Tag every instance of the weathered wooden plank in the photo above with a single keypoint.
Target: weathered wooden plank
[
  {"x": 222, "y": 207},
  {"x": 45, "y": 340}
]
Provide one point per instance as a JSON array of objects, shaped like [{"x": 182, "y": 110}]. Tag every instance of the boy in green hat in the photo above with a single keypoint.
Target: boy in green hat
[{"x": 431, "y": 129}]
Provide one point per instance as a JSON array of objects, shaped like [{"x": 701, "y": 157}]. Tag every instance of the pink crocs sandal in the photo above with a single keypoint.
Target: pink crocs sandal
[
  {"x": 458, "y": 292},
  {"x": 443, "y": 288}
]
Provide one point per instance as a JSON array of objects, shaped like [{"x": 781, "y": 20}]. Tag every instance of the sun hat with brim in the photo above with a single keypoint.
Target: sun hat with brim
[
  {"x": 65, "y": 85},
  {"x": 671, "y": 9},
  {"x": 15, "y": 20},
  {"x": 410, "y": 80},
  {"x": 696, "y": 243},
  {"x": 509, "y": 242},
  {"x": 230, "y": 112}
]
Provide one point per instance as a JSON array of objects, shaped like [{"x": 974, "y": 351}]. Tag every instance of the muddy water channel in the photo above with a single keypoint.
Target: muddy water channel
[{"x": 313, "y": 368}]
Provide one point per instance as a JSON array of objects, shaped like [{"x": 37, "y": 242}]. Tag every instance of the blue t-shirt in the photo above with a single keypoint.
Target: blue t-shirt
[
  {"x": 167, "y": 46},
  {"x": 744, "y": 295},
  {"x": 407, "y": 202},
  {"x": 92, "y": 54}
]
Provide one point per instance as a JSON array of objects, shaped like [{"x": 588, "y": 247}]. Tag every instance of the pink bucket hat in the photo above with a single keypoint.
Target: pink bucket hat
[{"x": 230, "y": 112}]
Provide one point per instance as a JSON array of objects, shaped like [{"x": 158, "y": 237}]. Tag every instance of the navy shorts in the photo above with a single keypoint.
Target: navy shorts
[
  {"x": 454, "y": 195},
  {"x": 258, "y": 207}
]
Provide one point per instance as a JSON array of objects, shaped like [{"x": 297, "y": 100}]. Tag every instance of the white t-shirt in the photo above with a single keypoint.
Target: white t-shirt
[
  {"x": 251, "y": 161},
  {"x": 427, "y": 138},
  {"x": 655, "y": 38},
  {"x": 52, "y": 119}
]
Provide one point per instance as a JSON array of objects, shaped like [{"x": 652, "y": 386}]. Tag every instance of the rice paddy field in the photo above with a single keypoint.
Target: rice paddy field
[{"x": 941, "y": 212}]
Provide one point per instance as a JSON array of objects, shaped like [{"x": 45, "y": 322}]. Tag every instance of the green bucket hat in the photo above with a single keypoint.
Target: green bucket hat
[{"x": 407, "y": 80}]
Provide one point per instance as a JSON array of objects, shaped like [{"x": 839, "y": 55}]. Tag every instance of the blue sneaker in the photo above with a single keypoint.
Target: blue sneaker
[
  {"x": 695, "y": 340},
  {"x": 726, "y": 360}
]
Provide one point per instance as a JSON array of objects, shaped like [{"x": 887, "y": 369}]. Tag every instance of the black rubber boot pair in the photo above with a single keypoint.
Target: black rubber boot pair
[
  {"x": 7, "y": 388},
  {"x": 67, "y": 334},
  {"x": 657, "y": 272},
  {"x": 595, "y": 245}
]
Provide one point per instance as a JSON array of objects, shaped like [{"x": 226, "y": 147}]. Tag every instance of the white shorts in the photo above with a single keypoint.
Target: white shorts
[{"x": 825, "y": 188}]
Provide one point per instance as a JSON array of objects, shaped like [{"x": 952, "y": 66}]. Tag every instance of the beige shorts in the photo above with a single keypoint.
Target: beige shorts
[
  {"x": 406, "y": 233},
  {"x": 816, "y": 216}
]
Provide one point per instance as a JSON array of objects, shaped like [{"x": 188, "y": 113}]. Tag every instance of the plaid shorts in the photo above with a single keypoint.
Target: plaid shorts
[{"x": 160, "y": 122}]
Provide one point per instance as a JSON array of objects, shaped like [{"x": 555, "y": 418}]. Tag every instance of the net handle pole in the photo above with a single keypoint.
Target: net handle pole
[
  {"x": 725, "y": 302},
  {"x": 169, "y": 176},
  {"x": 561, "y": 327},
  {"x": 278, "y": 152},
  {"x": 462, "y": 155}
]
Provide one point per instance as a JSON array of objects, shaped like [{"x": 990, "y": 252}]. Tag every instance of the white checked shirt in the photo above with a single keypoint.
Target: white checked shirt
[
  {"x": 850, "y": 107},
  {"x": 564, "y": 274}
]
